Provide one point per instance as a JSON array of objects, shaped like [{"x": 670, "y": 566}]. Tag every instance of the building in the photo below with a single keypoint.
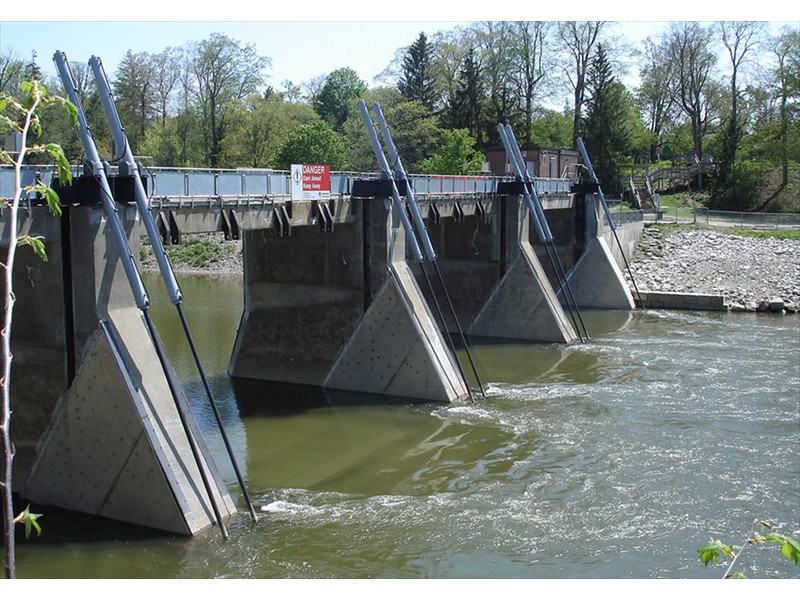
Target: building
[{"x": 557, "y": 164}]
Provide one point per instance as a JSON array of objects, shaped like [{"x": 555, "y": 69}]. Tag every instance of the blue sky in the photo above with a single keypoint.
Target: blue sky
[{"x": 337, "y": 34}]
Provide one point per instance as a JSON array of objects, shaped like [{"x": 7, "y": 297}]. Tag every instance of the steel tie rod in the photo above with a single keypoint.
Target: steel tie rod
[
  {"x": 167, "y": 273},
  {"x": 545, "y": 235},
  {"x": 422, "y": 230},
  {"x": 134, "y": 279},
  {"x": 410, "y": 236},
  {"x": 613, "y": 225}
]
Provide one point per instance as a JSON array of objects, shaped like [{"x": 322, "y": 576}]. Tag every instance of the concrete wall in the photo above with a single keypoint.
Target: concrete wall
[{"x": 318, "y": 306}]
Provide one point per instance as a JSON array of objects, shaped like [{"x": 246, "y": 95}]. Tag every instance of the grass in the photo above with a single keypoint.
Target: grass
[
  {"x": 783, "y": 234},
  {"x": 193, "y": 251}
]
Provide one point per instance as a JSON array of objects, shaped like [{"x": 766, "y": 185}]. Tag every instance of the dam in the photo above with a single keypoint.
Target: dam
[{"x": 332, "y": 298}]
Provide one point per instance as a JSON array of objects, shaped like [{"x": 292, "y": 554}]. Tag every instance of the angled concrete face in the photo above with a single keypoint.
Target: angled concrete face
[
  {"x": 523, "y": 304},
  {"x": 115, "y": 444},
  {"x": 397, "y": 349},
  {"x": 597, "y": 282},
  {"x": 114, "y": 450},
  {"x": 520, "y": 308}
]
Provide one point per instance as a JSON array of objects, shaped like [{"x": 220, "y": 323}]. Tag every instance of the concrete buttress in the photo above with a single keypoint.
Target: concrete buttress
[
  {"x": 114, "y": 445},
  {"x": 596, "y": 279},
  {"x": 523, "y": 304}
]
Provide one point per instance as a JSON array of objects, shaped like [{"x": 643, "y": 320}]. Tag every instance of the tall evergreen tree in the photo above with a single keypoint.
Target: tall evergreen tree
[
  {"x": 605, "y": 127},
  {"x": 416, "y": 81},
  {"x": 32, "y": 70},
  {"x": 465, "y": 108}
]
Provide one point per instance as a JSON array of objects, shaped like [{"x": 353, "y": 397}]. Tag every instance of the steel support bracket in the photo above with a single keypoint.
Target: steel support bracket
[
  {"x": 433, "y": 213},
  {"x": 283, "y": 219}
]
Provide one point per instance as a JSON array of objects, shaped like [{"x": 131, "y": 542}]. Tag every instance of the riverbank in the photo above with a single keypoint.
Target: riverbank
[
  {"x": 755, "y": 274},
  {"x": 750, "y": 273}
]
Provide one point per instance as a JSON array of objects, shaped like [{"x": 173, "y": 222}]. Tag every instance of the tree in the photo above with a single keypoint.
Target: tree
[
  {"x": 739, "y": 39},
  {"x": 415, "y": 132},
  {"x": 654, "y": 96},
  {"x": 578, "y": 40},
  {"x": 605, "y": 128},
  {"x": 259, "y": 127},
  {"x": 787, "y": 83},
  {"x": 465, "y": 109},
  {"x": 552, "y": 130},
  {"x": 338, "y": 96},
  {"x": 492, "y": 40},
  {"x": 224, "y": 71},
  {"x": 26, "y": 120},
  {"x": 315, "y": 143},
  {"x": 32, "y": 71},
  {"x": 135, "y": 96},
  {"x": 457, "y": 155},
  {"x": 416, "y": 80},
  {"x": 450, "y": 49},
  {"x": 689, "y": 50},
  {"x": 527, "y": 45},
  {"x": 11, "y": 69},
  {"x": 166, "y": 71}
]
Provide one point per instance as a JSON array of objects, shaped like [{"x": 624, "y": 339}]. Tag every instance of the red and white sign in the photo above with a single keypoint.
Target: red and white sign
[{"x": 311, "y": 182}]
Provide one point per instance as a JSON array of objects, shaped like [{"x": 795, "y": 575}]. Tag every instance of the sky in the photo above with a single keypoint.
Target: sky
[{"x": 303, "y": 40}]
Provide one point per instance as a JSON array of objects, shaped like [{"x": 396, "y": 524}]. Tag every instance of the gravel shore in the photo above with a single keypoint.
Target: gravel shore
[{"x": 751, "y": 273}]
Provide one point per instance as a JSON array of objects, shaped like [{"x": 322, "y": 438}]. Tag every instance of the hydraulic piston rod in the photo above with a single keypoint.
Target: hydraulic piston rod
[
  {"x": 97, "y": 170},
  {"x": 588, "y": 164},
  {"x": 128, "y": 167},
  {"x": 540, "y": 222}
]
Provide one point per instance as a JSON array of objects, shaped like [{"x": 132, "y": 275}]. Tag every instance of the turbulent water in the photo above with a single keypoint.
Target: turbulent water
[{"x": 616, "y": 458}]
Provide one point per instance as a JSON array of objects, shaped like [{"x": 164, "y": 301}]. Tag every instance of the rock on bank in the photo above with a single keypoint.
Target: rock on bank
[{"x": 751, "y": 273}]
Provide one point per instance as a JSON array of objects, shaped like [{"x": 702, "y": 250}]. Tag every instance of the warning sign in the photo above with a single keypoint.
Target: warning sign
[{"x": 311, "y": 182}]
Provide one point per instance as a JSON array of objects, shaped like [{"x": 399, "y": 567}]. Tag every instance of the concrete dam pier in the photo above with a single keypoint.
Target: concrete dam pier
[{"x": 332, "y": 298}]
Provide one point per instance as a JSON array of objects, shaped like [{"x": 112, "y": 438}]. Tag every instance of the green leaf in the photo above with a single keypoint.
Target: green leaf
[
  {"x": 71, "y": 108},
  {"x": 53, "y": 201},
  {"x": 30, "y": 520},
  {"x": 36, "y": 243},
  {"x": 789, "y": 546},
  {"x": 712, "y": 552}
]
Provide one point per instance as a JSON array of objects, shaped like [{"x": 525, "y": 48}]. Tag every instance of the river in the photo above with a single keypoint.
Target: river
[{"x": 615, "y": 458}]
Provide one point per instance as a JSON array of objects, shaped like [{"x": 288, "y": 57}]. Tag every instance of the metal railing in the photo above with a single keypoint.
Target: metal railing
[
  {"x": 746, "y": 219},
  {"x": 622, "y": 217},
  {"x": 721, "y": 218},
  {"x": 170, "y": 182}
]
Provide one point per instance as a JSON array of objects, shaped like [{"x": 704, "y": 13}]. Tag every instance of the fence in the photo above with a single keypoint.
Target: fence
[{"x": 722, "y": 218}]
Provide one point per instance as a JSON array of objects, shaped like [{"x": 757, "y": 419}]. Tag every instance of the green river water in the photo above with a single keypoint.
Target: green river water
[{"x": 616, "y": 458}]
